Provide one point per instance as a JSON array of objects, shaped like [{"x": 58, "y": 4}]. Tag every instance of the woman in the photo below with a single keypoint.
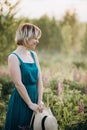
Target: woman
[{"x": 25, "y": 72}]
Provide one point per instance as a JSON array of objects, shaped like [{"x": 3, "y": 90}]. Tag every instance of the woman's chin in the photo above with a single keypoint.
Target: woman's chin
[{"x": 32, "y": 48}]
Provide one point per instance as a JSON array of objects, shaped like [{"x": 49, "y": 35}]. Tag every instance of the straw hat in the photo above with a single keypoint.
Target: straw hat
[{"x": 45, "y": 121}]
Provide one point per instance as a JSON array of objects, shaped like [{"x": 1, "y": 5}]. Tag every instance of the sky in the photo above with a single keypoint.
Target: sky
[{"x": 57, "y": 8}]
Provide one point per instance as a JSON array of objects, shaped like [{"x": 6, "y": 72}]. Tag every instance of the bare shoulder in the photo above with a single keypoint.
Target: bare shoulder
[{"x": 13, "y": 59}]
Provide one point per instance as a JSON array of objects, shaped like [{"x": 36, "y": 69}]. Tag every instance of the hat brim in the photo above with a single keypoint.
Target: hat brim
[{"x": 50, "y": 122}]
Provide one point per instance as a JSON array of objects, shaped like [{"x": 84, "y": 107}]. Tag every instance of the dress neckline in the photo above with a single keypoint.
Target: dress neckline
[{"x": 24, "y": 61}]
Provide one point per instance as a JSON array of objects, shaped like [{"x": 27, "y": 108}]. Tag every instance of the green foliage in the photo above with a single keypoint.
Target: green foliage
[
  {"x": 7, "y": 28},
  {"x": 79, "y": 64},
  {"x": 51, "y": 33},
  {"x": 6, "y": 87},
  {"x": 67, "y": 112},
  {"x": 75, "y": 85}
]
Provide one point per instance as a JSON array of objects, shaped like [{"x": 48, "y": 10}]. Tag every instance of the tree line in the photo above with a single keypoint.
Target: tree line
[{"x": 67, "y": 35}]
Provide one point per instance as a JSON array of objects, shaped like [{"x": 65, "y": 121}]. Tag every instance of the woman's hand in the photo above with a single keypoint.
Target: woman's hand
[
  {"x": 41, "y": 106},
  {"x": 34, "y": 107}
]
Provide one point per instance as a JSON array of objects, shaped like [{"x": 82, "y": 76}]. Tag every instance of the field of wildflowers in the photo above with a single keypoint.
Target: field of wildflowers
[{"x": 65, "y": 89}]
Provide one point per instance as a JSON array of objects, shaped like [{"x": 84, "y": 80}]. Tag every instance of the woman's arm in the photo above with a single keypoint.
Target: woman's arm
[{"x": 14, "y": 68}]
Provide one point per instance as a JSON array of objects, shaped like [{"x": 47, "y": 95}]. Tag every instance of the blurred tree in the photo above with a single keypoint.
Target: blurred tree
[
  {"x": 64, "y": 36},
  {"x": 44, "y": 23},
  {"x": 84, "y": 45},
  {"x": 7, "y": 28},
  {"x": 70, "y": 31},
  {"x": 56, "y": 39},
  {"x": 51, "y": 34}
]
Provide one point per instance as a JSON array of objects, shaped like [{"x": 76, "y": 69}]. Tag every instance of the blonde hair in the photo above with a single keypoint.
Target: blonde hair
[{"x": 25, "y": 32}]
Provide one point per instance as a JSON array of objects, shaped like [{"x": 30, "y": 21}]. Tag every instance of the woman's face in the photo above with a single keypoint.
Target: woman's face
[{"x": 32, "y": 43}]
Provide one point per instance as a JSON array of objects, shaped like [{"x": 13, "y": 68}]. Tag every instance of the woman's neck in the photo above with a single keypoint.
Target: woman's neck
[{"x": 22, "y": 49}]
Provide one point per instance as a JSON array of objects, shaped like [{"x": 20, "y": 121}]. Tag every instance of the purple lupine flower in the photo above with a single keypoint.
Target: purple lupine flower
[
  {"x": 81, "y": 107},
  {"x": 60, "y": 88}
]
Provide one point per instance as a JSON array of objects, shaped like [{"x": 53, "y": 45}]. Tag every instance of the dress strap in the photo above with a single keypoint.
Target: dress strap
[
  {"x": 17, "y": 56},
  {"x": 33, "y": 56}
]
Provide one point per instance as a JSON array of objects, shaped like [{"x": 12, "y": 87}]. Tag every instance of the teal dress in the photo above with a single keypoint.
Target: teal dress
[{"x": 19, "y": 114}]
